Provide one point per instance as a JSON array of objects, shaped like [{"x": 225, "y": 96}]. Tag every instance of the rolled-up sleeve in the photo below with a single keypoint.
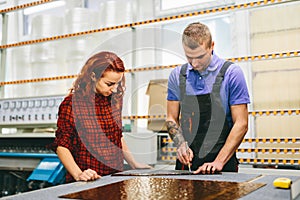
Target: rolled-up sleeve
[
  {"x": 65, "y": 126},
  {"x": 173, "y": 86}
]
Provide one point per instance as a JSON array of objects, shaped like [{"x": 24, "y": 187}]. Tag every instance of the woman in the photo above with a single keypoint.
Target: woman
[{"x": 89, "y": 139}]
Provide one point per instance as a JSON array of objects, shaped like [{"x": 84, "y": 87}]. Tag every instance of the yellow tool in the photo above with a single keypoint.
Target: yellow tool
[{"x": 282, "y": 183}]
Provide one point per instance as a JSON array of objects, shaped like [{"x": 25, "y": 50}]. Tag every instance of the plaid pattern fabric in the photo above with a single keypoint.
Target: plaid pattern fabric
[{"x": 91, "y": 128}]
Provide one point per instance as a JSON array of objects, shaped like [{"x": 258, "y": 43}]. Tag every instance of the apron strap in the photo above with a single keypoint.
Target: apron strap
[
  {"x": 182, "y": 81},
  {"x": 220, "y": 77}
]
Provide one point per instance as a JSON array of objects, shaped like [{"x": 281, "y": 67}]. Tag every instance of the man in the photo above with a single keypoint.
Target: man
[{"x": 207, "y": 114}]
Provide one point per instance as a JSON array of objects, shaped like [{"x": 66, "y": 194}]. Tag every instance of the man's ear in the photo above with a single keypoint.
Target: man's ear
[{"x": 93, "y": 76}]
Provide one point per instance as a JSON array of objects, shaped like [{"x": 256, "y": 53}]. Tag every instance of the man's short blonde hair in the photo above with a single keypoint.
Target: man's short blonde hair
[{"x": 196, "y": 34}]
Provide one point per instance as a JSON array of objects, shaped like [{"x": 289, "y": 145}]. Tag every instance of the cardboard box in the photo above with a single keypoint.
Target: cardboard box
[
  {"x": 157, "y": 91},
  {"x": 143, "y": 146}
]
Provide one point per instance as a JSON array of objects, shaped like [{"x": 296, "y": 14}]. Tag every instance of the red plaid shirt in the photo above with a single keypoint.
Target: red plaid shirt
[{"x": 91, "y": 128}]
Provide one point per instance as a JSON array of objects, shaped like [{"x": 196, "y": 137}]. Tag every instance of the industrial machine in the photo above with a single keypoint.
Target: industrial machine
[{"x": 27, "y": 126}]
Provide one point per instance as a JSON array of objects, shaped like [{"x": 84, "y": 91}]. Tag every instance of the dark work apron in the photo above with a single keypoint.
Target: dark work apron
[{"x": 204, "y": 124}]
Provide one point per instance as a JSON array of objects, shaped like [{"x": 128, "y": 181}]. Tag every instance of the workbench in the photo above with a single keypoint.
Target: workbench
[{"x": 267, "y": 192}]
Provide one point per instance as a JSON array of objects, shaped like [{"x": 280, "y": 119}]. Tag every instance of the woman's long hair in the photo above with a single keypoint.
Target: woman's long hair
[{"x": 98, "y": 64}]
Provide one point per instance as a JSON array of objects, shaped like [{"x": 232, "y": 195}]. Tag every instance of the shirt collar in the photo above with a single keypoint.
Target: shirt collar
[{"x": 211, "y": 67}]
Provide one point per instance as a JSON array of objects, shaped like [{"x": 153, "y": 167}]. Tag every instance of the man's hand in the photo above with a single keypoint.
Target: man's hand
[
  {"x": 87, "y": 175},
  {"x": 184, "y": 154},
  {"x": 209, "y": 168}
]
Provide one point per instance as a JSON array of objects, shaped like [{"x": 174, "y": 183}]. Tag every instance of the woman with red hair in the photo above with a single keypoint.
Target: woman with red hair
[{"x": 89, "y": 139}]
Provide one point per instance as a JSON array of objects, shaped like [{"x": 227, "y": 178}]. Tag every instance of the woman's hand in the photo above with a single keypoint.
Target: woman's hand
[
  {"x": 142, "y": 166},
  {"x": 87, "y": 175}
]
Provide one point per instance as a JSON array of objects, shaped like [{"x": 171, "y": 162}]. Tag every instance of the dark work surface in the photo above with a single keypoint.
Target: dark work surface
[{"x": 152, "y": 172}]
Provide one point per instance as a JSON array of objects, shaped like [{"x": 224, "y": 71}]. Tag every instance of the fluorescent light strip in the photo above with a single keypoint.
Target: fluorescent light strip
[
  {"x": 171, "y": 4},
  {"x": 42, "y": 7}
]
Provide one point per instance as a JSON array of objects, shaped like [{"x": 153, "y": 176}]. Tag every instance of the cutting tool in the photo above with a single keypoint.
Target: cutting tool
[{"x": 188, "y": 153}]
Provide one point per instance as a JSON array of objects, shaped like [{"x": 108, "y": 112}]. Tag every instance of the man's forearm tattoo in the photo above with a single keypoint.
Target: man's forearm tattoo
[{"x": 175, "y": 133}]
